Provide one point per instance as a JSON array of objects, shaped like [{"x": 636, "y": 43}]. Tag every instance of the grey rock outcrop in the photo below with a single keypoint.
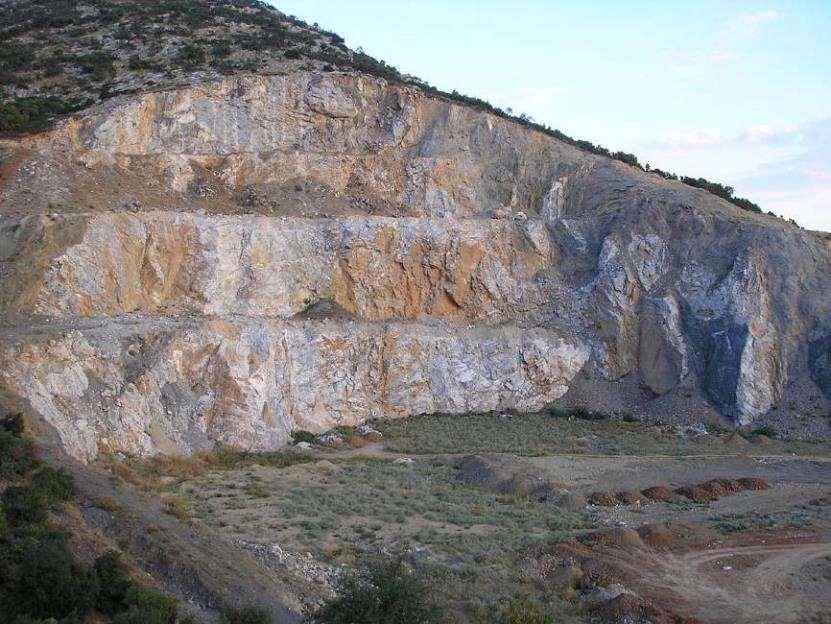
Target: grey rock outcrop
[{"x": 233, "y": 260}]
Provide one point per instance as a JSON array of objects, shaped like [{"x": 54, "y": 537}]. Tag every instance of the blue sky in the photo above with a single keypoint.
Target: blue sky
[{"x": 737, "y": 92}]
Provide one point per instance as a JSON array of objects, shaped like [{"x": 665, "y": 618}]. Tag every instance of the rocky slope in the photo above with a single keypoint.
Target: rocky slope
[{"x": 233, "y": 259}]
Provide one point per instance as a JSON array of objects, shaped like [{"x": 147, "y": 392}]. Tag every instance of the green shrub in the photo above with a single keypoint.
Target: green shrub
[
  {"x": 191, "y": 55},
  {"x": 229, "y": 458},
  {"x": 221, "y": 48},
  {"x": 40, "y": 578},
  {"x": 54, "y": 485},
  {"x": 765, "y": 430},
  {"x": 583, "y": 414},
  {"x": 247, "y": 615},
  {"x": 385, "y": 591},
  {"x": 303, "y": 436},
  {"x": 24, "y": 504},
  {"x": 17, "y": 455},
  {"x": 99, "y": 65},
  {"x": 138, "y": 64},
  {"x": 147, "y": 606},
  {"x": 721, "y": 190},
  {"x": 30, "y": 114},
  {"x": 28, "y": 504},
  {"x": 13, "y": 423},
  {"x": 113, "y": 582}
]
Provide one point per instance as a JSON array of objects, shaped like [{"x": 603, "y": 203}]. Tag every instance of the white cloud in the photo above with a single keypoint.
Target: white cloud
[
  {"x": 749, "y": 23},
  {"x": 754, "y": 135},
  {"x": 783, "y": 168}
]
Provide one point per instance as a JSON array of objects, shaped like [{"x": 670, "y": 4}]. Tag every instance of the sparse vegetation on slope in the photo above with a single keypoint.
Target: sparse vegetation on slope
[
  {"x": 57, "y": 57},
  {"x": 41, "y": 579}
]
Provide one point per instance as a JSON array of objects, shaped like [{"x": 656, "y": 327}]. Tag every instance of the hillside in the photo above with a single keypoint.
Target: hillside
[
  {"x": 62, "y": 57},
  {"x": 272, "y": 310},
  {"x": 289, "y": 220}
]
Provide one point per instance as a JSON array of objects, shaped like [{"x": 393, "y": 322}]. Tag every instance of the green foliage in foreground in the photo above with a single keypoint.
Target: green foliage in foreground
[
  {"x": 17, "y": 455},
  {"x": 40, "y": 578},
  {"x": 248, "y": 615},
  {"x": 384, "y": 591}
]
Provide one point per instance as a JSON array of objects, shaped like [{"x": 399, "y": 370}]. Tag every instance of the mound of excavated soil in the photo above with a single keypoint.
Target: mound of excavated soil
[
  {"x": 660, "y": 493},
  {"x": 596, "y": 574},
  {"x": 612, "y": 499},
  {"x": 618, "y": 537},
  {"x": 631, "y": 497},
  {"x": 753, "y": 483},
  {"x": 629, "y": 608},
  {"x": 603, "y": 499},
  {"x": 715, "y": 489},
  {"x": 697, "y": 494},
  {"x": 506, "y": 475}
]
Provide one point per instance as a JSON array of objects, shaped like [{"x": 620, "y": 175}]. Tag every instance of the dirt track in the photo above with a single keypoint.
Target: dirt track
[{"x": 753, "y": 584}]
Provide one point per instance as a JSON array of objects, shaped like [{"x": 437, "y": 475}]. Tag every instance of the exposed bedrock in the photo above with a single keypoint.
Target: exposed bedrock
[
  {"x": 144, "y": 386},
  {"x": 101, "y": 264},
  {"x": 190, "y": 252}
]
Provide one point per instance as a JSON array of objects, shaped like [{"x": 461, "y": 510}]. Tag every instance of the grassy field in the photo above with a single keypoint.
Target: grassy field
[
  {"x": 555, "y": 433},
  {"x": 470, "y": 541}
]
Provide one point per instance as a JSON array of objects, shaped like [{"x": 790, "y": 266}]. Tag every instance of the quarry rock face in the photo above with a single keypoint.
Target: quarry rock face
[{"x": 234, "y": 260}]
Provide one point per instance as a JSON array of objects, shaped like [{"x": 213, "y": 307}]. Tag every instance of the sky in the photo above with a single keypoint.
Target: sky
[{"x": 736, "y": 92}]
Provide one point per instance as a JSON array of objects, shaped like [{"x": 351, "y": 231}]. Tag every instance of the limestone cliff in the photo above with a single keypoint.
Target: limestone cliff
[{"x": 235, "y": 259}]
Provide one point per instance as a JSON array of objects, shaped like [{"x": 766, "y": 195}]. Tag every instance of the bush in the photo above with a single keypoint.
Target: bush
[
  {"x": 147, "y": 606},
  {"x": 17, "y": 455},
  {"x": 765, "y": 430},
  {"x": 720, "y": 190},
  {"x": 13, "y": 423},
  {"x": 32, "y": 113},
  {"x": 54, "y": 485},
  {"x": 629, "y": 159},
  {"x": 221, "y": 48},
  {"x": 385, "y": 591},
  {"x": 99, "y": 65},
  {"x": 24, "y": 504},
  {"x": 191, "y": 56},
  {"x": 583, "y": 414},
  {"x": 303, "y": 436},
  {"x": 248, "y": 615},
  {"x": 113, "y": 582},
  {"x": 40, "y": 578}
]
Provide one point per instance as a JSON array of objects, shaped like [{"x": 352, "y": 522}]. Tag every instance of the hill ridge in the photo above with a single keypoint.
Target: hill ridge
[{"x": 41, "y": 79}]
